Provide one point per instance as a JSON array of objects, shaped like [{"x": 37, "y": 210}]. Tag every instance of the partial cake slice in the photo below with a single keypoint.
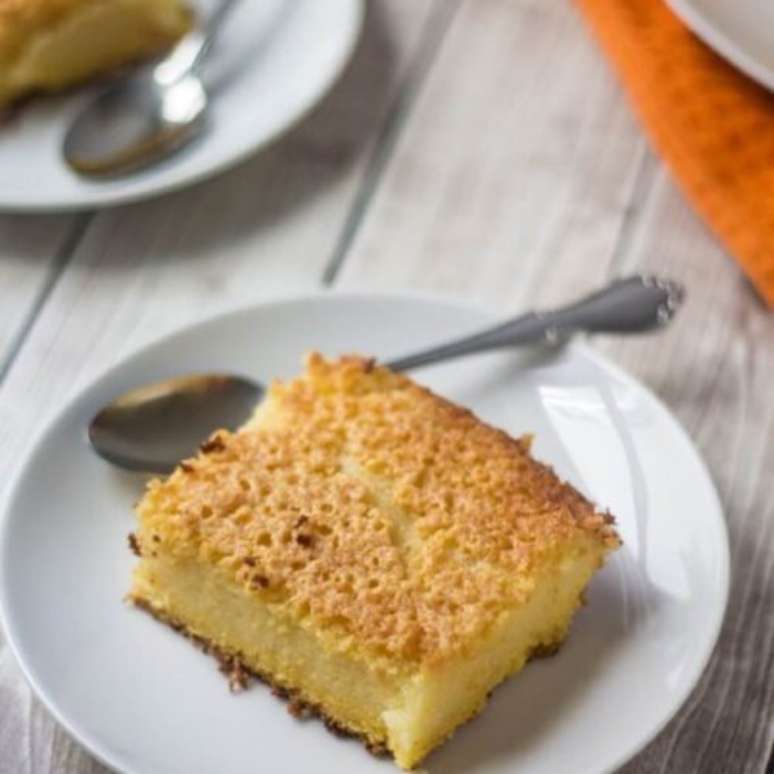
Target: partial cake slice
[
  {"x": 375, "y": 551},
  {"x": 47, "y": 45}
]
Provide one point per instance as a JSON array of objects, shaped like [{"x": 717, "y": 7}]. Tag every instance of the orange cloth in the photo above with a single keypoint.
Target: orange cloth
[{"x": 713, "y": 125}]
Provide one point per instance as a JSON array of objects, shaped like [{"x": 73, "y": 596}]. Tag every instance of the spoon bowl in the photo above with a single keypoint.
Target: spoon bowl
[{"x": 134, "y": 124}]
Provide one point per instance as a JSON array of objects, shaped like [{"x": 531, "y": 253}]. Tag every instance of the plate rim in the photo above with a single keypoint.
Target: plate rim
[
  {"x": 90, "y": 741},
  {"x": 94, "y": 201},
  {"x": 692, "y": 15}
]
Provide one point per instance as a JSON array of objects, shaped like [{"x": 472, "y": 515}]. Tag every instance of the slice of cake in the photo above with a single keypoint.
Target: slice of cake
[
  {"x": 379, "y": 554},
  {"x": 47, "y": 45}
]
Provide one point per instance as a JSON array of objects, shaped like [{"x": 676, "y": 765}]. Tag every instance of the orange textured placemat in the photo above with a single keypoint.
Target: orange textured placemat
[{"x": 713, "y": 125}]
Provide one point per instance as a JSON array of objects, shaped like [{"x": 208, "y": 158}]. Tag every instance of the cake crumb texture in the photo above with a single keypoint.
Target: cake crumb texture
[{"x": 375, "y": 511}]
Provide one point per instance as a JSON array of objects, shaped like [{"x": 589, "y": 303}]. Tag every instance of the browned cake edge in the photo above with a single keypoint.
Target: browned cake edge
[{"x": 238, "y": 674}]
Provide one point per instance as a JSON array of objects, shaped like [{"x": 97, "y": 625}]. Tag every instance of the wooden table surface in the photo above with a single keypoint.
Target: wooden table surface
[{"x": 480, "y": 148}]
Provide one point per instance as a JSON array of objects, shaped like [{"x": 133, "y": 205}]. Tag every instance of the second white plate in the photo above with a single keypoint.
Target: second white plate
[
  {"x": 273, "y": 60},
  {"x": 143, "y": 699}
]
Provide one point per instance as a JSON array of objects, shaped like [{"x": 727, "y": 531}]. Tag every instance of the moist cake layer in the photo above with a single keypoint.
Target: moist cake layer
[{"x": 373, "y": 547}]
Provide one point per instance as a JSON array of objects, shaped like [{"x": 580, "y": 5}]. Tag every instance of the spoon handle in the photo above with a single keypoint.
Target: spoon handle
[
  {"x": 211, "y": 28},
  {"x": 633, "y": 305},
  {"x": 192, "y": 50}
]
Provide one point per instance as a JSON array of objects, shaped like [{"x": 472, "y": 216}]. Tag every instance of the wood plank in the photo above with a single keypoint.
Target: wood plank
[
  {"x": 32, "y": 253},
  {"x": 520, "y": 157},
  {"x": 270, "y": 226}
]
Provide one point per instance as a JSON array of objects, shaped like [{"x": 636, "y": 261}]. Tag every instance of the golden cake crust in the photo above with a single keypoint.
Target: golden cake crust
[
  {"x": 375, "y": 510},
  {"x": 50, "y": 45}
]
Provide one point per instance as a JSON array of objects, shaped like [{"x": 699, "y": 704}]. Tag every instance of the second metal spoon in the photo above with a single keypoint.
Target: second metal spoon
[
  {"x": 154, "y": 427},
  {"x": 148, "y": 115}
]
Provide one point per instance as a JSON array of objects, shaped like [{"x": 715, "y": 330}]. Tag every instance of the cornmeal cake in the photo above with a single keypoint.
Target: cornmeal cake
[
  {"x": 46, "y": 45},
  {"x": 379, "y": 554}
]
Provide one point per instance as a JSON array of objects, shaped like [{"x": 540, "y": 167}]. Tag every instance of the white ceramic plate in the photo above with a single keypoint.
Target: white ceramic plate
[
  {"x": 273, "y": 61},
  {"x": 143, "y": 699},
  {"x": 740, "y": 30}
]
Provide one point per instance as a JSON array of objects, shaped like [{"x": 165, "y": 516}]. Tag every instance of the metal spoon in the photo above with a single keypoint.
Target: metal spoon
[
  {"x": 152, "y": 428},
  {"x": 147, "y": 115}
]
